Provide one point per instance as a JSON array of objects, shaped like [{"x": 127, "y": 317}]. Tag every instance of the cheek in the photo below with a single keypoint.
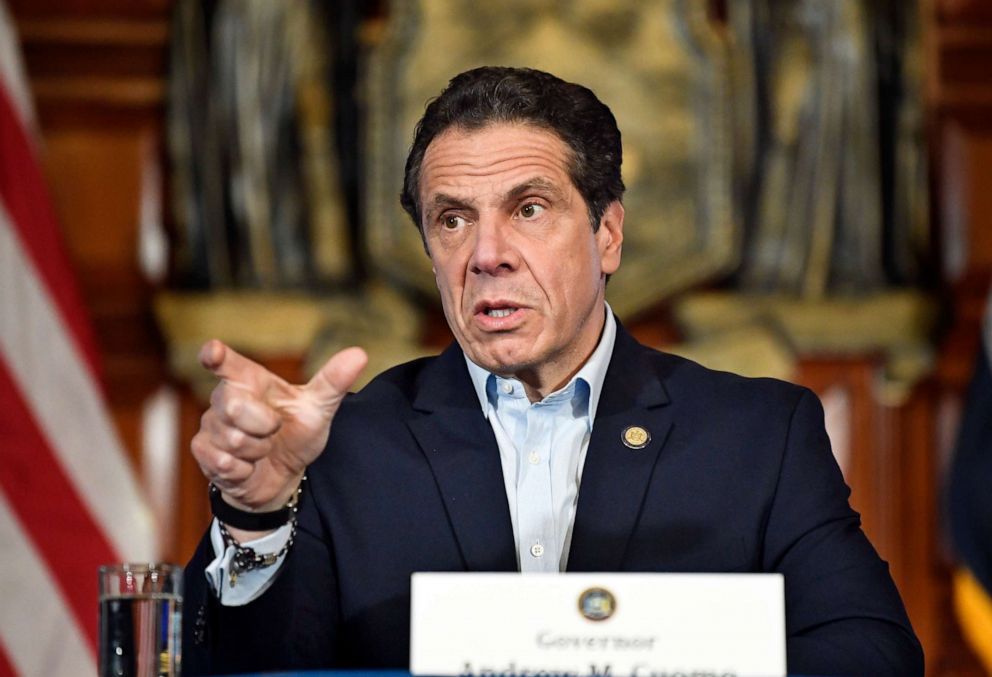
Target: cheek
[
  {"x": 575, "y": 271},
  {"x": 449, "y": 285}
]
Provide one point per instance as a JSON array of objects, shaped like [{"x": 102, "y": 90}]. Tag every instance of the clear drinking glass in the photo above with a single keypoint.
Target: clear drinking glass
[{"x": 140, "y": 620}]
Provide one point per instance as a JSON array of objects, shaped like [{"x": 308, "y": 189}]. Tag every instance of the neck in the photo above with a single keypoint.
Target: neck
[{"x": 547, "y": 378}]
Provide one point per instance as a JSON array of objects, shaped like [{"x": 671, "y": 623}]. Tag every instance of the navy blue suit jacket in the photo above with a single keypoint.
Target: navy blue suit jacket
[{"x": 738, "y": 477}]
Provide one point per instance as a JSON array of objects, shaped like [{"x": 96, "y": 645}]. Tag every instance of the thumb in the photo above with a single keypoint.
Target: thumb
[{"x": 337, "y": 375}]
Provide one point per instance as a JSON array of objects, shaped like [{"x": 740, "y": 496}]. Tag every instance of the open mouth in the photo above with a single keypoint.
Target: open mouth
[
  {"x": 496, "y": 313},
  {"x": 499, "y": 312}
]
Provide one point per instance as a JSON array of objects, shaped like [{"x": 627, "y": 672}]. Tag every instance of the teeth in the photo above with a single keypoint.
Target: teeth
[{"x": 500, "y": 312}]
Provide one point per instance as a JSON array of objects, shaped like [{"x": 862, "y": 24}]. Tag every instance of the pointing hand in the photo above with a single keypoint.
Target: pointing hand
[{"x": 260, "y": 432}]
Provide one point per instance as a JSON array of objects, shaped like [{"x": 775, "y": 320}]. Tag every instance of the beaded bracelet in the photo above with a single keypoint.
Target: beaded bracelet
[
  {"x": 249, "y": 521},
  {"x": 245, "y": 558}
]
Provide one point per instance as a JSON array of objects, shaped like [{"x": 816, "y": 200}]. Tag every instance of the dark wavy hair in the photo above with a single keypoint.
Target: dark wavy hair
[{"x": 483, "y": 96}]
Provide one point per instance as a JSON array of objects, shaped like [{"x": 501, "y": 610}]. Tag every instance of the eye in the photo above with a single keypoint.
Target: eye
[
  {"x": 452, "y": 221},
  {"x": 530, "y": 210}
]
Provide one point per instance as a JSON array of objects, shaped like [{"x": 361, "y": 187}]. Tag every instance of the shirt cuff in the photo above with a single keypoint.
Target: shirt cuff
[{"x": 250, "y": 584}]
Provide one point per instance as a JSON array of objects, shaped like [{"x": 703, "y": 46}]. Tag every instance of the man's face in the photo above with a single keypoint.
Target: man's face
[{"x": 521, "y": 273}]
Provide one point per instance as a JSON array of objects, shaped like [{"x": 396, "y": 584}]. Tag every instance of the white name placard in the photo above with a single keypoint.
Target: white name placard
[{"x": 611, "y": 625}]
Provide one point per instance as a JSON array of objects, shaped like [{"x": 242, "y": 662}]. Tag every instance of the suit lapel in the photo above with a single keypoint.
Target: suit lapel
[
  {"x": 461, "y": 449},
  {"x": 615, "y": 477}
]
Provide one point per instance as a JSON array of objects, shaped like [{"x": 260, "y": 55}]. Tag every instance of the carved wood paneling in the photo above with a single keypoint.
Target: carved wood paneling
[
  {"x": 90, "y": 9},
  {"x": 888, "y": 466},
  {"x": 964, "y": 10}
]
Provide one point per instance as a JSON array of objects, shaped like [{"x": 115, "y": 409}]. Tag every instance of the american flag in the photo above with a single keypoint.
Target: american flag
[{"x": 69, "y": 500}]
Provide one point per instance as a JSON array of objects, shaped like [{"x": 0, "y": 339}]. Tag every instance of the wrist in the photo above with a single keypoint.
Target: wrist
[
  {"x": 245, "y": 557},
  {"x": 255, "y": 520},
  {"x": 278, "y": 501}
]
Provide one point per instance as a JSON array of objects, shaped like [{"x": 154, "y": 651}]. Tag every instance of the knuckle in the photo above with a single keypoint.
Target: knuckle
[
  {"x": 198, "y": 445},
  {"x": 235, "y": 438},
  {"x": 223, "y": 463},
  {"x": 233, "y": 408}
]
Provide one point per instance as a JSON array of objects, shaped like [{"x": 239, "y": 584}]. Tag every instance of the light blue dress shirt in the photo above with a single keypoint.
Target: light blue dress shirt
[{"x": 542, "y": 448}]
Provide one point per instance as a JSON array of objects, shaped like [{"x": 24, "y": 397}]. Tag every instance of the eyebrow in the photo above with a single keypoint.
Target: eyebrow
[
  {"x": 536, "y": 184},
  {"x": 442, "y": 201}
]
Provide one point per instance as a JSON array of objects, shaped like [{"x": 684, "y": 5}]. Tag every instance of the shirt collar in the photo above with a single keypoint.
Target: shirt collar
[{"x": 593, "y": 372}]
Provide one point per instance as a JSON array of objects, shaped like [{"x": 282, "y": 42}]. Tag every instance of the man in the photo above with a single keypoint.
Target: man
[{"x": 472, "y": 461}]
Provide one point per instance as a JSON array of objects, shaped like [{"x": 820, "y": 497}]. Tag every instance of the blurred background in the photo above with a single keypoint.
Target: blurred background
[{"x": 808, "y": 198}]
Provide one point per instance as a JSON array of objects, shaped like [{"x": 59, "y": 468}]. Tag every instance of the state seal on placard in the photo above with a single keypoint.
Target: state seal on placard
[{"x": 597, "y": 604}]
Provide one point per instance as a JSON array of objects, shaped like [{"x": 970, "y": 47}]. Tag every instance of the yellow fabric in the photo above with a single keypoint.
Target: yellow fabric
[{"x": 974, "y": 610}]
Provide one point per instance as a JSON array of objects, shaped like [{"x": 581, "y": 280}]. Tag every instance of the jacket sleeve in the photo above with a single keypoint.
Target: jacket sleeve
[
  {"x": 291, "y": 626},
  {"x": 844, "y": 615}
]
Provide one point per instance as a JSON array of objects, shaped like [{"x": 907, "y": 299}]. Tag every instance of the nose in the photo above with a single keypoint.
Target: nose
[{"x": 493, "y": 252}]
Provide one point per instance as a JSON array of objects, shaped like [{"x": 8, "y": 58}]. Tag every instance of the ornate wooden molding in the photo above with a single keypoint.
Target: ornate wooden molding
[{"x": 95, "y": 64}]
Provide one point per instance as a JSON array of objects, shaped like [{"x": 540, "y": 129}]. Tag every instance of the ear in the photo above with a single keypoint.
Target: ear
[{"x": 609, "y": 237}]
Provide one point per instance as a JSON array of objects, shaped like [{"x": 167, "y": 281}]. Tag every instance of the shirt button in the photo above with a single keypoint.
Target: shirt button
[
  {"x": 537, "y": 550},
  {"x": 507, "y": 387},
  {"x": 534, "y": 458}
]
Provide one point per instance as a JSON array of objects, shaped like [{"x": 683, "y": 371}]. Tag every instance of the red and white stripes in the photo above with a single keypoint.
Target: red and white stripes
[{"x": 69, "y": 500}]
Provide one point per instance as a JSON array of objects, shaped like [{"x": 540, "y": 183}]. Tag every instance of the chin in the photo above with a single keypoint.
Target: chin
[
  {"x": 503, "y": 354},
  {"x": 497, "y": 365}
]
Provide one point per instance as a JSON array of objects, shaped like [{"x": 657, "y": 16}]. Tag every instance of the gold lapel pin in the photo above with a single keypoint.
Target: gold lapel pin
[{"x": 636, "y": 437}]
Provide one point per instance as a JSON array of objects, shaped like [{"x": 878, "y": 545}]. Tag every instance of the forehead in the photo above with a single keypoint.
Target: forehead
[{"x": 497, "y": 155}]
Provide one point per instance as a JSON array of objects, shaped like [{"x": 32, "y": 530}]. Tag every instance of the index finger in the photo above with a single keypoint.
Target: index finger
[{"x": 226, "y": 363}]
